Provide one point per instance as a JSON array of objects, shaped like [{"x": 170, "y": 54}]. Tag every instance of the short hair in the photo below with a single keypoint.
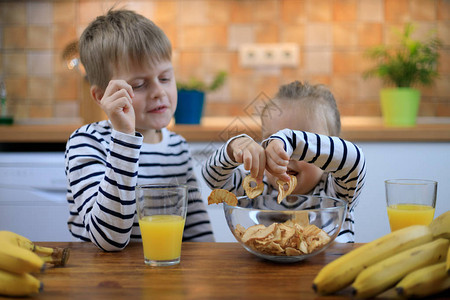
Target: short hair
[
  {"x": 119, "y": 40},
  {"x": 316, "y": 99}
]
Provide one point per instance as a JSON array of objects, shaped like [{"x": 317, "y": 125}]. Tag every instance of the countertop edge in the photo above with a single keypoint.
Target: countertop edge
[{"x": 220, "y": 129}]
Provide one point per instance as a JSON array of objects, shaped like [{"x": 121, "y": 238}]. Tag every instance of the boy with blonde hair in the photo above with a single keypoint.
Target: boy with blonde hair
[
  {"x": 128, "y": 64},
  {"x": 300, "y": 128}
]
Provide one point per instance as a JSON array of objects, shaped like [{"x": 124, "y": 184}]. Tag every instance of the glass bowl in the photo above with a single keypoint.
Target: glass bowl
[{"x": 316, "y": 221}]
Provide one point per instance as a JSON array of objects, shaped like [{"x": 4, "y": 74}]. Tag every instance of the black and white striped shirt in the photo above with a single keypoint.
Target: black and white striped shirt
[
  {"x": 103, "y": 166},
  {"x": 343, "y": 164}
]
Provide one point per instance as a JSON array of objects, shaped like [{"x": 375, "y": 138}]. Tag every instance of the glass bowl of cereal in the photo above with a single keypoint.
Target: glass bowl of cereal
[{"x": 299, "y": 227}]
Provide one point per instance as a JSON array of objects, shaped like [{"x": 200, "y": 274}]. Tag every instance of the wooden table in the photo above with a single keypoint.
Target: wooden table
[{"x": 206, "y": 271}]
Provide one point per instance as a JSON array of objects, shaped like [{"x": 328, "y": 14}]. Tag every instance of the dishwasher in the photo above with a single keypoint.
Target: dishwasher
[{"x": 33, "y": 195}]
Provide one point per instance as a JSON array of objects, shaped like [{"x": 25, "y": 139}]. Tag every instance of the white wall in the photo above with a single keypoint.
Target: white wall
[{"x": 384, "y": 161}]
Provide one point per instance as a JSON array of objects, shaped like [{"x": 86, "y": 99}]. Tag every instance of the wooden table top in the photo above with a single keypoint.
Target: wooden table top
[{"x": 206, "y": 271}]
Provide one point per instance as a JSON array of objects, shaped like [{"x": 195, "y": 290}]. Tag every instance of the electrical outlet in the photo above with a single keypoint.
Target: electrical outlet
[{"x": 264, "y": 55}]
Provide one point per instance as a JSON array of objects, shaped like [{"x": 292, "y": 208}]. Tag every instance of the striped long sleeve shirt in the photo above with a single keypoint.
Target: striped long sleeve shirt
[
  {"x": 103, "y": 166},
  {"x": 343, "y": 164}
]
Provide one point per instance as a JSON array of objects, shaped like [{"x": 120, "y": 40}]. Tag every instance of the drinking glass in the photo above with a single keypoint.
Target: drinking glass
[
  {"x": 410, "y": 202},
  {"x": 161, "y": 210}
]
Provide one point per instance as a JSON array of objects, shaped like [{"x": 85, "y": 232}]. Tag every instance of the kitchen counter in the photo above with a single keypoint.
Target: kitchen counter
[
  {"x": 206, "y": 271},
  {"x": 219, "y": 129}
]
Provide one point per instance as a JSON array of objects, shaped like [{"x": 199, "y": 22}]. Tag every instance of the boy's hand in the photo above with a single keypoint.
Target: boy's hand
[
  {"x": 277, "y": 160},
  {"x": 117, "y": 104},
  {"x": 251, "y": 154}
]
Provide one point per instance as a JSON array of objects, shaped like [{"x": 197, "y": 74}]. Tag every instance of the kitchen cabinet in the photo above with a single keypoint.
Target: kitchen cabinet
[
  {"x": 398, "y": 160},
  {"x": 32, "y": 188},
  {"x": 33, "y": 195},
  {"x": 385, "y": 160}
]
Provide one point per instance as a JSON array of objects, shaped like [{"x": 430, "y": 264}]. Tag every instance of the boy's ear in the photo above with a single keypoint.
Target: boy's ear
[{"x": 97, "y": 93}]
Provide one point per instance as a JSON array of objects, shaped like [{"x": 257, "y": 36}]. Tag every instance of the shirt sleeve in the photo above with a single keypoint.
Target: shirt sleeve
[
  {"x": 342, "y": 159},
  {"x": 221, "y": 172},
  {"x": 102, "y": 180}
]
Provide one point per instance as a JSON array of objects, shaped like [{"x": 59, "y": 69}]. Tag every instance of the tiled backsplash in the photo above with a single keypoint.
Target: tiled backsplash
[{"x": 332, "y": 36}]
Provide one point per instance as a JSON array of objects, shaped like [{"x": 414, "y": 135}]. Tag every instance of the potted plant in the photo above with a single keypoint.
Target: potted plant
[
  {"x": 406, "y": 65},
  {"x": 191, "y": 97}
]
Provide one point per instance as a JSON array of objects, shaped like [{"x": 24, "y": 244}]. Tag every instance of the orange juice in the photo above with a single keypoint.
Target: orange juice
[
  {"x": 162, "y": 236},
  {"x": 403, "y": 215}
]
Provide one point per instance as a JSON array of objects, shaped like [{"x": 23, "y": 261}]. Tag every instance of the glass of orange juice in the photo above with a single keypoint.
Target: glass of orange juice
[
  {"x": 161, "y": 210},
  {"x": 410, "y": 202}
]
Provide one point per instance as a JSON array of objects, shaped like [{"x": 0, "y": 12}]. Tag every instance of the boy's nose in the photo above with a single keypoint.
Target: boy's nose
[{"x": 156, "y": 91}]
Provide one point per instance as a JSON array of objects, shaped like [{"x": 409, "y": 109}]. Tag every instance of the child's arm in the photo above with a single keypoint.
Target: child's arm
[
  {"x": 344, "y": 160},
  {"x": 221, "y": 169},
  {"x": 246, "y": 151},
  {"x": 102, "y": 175}
]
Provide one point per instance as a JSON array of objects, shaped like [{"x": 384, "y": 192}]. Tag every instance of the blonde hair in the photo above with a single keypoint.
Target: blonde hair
[
  {"x": 316, "y": 100},
  {"x": 119, "y": 40}
]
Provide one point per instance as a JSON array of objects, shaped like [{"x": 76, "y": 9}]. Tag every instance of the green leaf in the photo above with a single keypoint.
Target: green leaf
[
  {"x": 199, "y": 85},
  {"x": 409, "y": 63}
]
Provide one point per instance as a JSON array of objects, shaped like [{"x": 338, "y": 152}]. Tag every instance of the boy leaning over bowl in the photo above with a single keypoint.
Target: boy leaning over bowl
[
  {"x": 128, "y": 64},
  {"x": 301, "y": 138}
]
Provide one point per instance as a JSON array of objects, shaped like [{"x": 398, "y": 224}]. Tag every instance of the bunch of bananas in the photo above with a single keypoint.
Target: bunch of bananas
[
  {"x": 415, "y": 260},
  {"x": 19, "y": 257}
]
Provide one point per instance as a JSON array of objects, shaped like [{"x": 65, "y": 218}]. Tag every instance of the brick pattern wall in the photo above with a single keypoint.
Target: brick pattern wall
[{"x": 332, "y": 36}]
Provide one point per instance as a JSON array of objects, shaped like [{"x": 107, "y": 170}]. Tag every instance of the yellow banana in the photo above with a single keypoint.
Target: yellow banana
[
  {"x": 384, "y": 274},
  {"x": 447, "y": 266},
  {"x": 18, "y": 260},
  {"x": 341, "y": 272},
  {"x": 424, "y": 282},
  {"x": 440, "y": 226},
  {"x": 12, "y": 284},
  {"x": 56, "y": 256},
  {"x": 23, "y": 242}
]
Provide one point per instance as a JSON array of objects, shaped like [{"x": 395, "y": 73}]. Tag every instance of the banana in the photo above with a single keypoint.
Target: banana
[
  {"x": 440, "y": 226},
  {"x": 23, "y": 242},
  {"x": 447, "y": 266},
  {"x": 342, "y": 271},
  {"x": 12, "y": 284},
  {"x": 56, "y": 256},
  {"x": 424, "y": 282},
  {"x": 384, "y": 274},
  {"x": 18, "y": 260}
]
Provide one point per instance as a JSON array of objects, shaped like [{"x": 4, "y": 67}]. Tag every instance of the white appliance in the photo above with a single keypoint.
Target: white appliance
[{"x": 33, "y": 195}]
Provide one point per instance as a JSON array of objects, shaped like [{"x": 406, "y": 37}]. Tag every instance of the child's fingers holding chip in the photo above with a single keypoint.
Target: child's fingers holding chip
[
  {"x": 277, "y": 161},
  {"x": 275, "y": 151},
  {"x": 254, "y": 160}
]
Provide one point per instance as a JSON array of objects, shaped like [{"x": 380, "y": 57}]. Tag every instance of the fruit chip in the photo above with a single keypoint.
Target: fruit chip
[
  {"x": 219, "y": 196},
  {"x": 283, "y": 239},
  {"x": 283, "y": 191},
  {"x": 252, "y": 192}
]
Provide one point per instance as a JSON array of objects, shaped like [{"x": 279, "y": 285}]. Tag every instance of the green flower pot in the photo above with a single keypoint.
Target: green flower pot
[{"x": 399, "y": 106}]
